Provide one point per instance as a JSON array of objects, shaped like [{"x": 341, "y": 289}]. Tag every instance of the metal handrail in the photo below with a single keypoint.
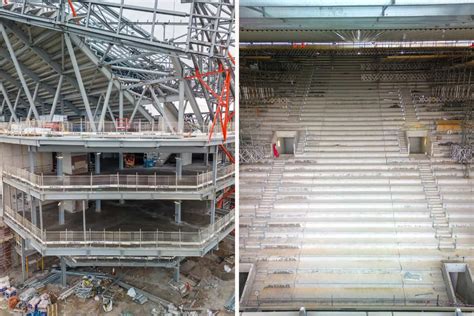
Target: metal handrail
[
  {"x": 135, "y": 128},
  {"x": 115, "y": 181},
  {"x": 124, "y": 238}
]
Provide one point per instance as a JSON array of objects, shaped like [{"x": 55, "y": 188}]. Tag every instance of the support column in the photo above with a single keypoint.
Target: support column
[
  {"x": 31, "y": 158},
  {"x": 33, "y": 210},
  {"x": 176, "y": 272},
  {"x": 181, "y": 107},
  {"x": 214, "y": 167},
  {"x": 63, "y": 272},
  {"x": 23, "y": 261},
  {"x": 121, "y": 168},
  {"x": 84, "y": 219},
  {"x": 120, "y": 161},
  {"x": 213, "y": 209},
  {"x": 98, "y": 206},
  {"x": 59, "y": 164},
  {"x": 59, "y": 172},
  {"x": 177, "y": 211},
  {"x": 179, "y": 167},
  {"x": 206, "y": 159},
  {"x": 41, "y": 215},
  {"x": 214, "y": 185}
]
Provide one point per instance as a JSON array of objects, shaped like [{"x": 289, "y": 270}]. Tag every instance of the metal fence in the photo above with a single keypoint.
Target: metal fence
[
  {"x": 139, "y": 238},
  {"x": 116, "y": 182}
]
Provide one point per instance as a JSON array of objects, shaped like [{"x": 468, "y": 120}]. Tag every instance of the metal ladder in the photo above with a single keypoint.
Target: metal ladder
[
  {"x": 440, "y": 219},
  {"x": 271, "y": 188}
]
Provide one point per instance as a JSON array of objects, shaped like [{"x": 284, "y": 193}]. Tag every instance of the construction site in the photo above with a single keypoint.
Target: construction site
[
  {"x": 117, "y": 150},
  {"x": 356, "y": 150}
]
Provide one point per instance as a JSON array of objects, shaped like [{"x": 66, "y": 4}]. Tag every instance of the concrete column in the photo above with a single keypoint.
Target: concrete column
[
  {"x": 120, "y": 161},
  {"x": 213, "y": 209},
  {"x": 63, "y": 272},
  {"x": 84, "y": 219},
  {"x": 179, "y": 166},
  {"x": 23, "y": 261},
  {"x": 33, "y": 210},
  {"x": 186, "y": 158},
  {"x": 59, "y": 173},
  {"x": 59, "y": 164},
  {"x": 206, "y": 159},
  {"x": 98, "y": 206},
  {"x": 41, "y": 215},
  {"x": 31, "y": 158},
  {"x": 177, "y": 212},
  {"x": 176, "y": 272},
  {"x": 121, "y": 168},
  {"x": 214, "y": 168}
]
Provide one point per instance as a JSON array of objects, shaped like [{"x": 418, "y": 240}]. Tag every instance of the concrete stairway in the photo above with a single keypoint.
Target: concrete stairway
[
  {"x": 271, "y": 188},
  {"x": 408, "y": 107}
]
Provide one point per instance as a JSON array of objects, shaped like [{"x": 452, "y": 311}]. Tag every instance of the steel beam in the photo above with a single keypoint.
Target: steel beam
[
  {"x": 7, "y": 100},
  {"x": 108, "y": 73},
  {"x": 56, "y": 97},
  {"x": 105, "y": 105},
  {"x": 82, "y": 89},
  {"x": 18, "y": 70},
  {"x": 187, "y": 90}
]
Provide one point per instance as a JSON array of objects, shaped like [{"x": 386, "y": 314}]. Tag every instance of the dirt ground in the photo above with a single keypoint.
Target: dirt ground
[{"x": 211, "y": 286}]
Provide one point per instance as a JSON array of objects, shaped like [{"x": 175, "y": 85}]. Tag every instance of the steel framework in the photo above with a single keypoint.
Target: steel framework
[{"x": 105, "y": 63}]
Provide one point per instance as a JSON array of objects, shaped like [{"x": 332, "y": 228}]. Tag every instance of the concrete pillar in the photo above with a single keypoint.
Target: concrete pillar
[
  {"x": 121, "y": 168},
  {"x": 213, "y": 209},
  {"x": 120, "y": 161},
  {"x": 177, "y": 212},
  {"x": 206, "y": 159},
  {"x": 179, "y": 167},
  {"x": 31, "y": 158},
  {"x": 33, "y": 210},
  {"x": 23, "y": 261},
  {"x": 63, "y": 272},
  {"x": 61, "y": 213},
  {"x": 41, "y": 215},
  {"x": 98, "y": 206},
  {"x": 186, "y": 158},
  {"x": 84, "y": 219},
  {"x": 214, "y": 168},
  {"x": 59, "y": 172},
  {"x": 176, "y": 272},
  {"x": 59, "y": 164}
]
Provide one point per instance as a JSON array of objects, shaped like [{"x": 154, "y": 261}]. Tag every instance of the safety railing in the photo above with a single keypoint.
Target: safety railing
[
  {"x": 119, "y": 128},
  {"x": 68, "y": 238},
  {"x": 393, "y": 44},
  {"x": 116, "y": 182},
  {"x": 394, "y": 302}
]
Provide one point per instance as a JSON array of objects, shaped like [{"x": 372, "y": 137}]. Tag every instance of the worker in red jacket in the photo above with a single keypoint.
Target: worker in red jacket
[{"x": 276, "y": 154}]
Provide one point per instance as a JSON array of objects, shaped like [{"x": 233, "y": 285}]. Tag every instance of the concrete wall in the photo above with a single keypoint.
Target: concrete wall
[
  {"x": 465, "y": 286},
  {"x": 18, "y": 156}
]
